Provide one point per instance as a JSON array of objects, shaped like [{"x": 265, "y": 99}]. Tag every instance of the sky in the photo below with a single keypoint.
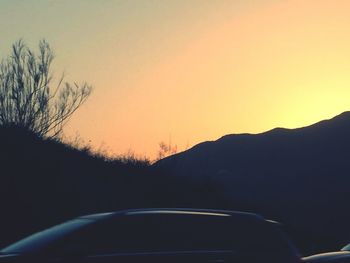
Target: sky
[{"x": 187, "y": 71}]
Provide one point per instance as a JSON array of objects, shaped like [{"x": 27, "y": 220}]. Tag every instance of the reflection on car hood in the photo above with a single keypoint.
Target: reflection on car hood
[{"x": 338, "y": 257}]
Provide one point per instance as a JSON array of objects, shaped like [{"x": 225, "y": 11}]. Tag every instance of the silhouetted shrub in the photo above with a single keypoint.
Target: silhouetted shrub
[{"x": 29, "y": 100}]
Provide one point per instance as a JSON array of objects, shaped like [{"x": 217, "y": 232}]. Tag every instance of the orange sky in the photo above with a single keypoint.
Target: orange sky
[{"x": 191, "y": 70}]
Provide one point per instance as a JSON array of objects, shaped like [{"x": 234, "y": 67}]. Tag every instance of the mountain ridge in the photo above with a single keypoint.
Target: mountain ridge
[
  {"x": 299, "y": 176},
  {"x": 278, "y": 131}
]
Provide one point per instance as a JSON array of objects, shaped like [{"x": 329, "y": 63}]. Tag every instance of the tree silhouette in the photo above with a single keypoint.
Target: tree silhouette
[
  {"x": 166, "y": 150},
  {"x": 27, "y": 97}
]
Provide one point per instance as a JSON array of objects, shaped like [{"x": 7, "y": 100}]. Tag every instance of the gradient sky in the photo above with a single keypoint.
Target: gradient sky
[{"x": 191, "y": 70}]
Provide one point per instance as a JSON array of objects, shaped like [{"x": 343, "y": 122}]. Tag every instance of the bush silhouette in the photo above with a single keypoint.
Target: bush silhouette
[{"x": 29, "y": 100}]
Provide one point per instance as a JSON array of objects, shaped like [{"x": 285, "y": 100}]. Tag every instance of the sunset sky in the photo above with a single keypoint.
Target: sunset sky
[{"x": 191, "y": 70}]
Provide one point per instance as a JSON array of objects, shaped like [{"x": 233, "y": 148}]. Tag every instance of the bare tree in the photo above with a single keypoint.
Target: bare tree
[
  {"x": 27, "y": 97},
  {"x": 166, "y": 150}
]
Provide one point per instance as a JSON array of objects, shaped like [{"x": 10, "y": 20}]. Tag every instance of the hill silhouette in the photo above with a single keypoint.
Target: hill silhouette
[
  {"x": 300, "y": 176},
  {"x": 44, "y": 182}
]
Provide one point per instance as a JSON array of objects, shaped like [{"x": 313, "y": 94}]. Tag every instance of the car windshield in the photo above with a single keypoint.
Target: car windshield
[
  {"x": 346, "y": 248},
  {"x": 42, "y": 239}
]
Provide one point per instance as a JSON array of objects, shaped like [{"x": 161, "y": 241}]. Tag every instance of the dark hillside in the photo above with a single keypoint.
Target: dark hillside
[
  {"x": 43, "y": 182},
  {"x": 298, "y": 176}
]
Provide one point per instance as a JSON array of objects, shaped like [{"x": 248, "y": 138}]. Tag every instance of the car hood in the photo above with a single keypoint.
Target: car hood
[{"x": 336, "y": 257}]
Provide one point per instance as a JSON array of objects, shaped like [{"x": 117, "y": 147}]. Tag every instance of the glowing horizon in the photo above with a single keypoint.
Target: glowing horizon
[{"x": 191, "y": 71}]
